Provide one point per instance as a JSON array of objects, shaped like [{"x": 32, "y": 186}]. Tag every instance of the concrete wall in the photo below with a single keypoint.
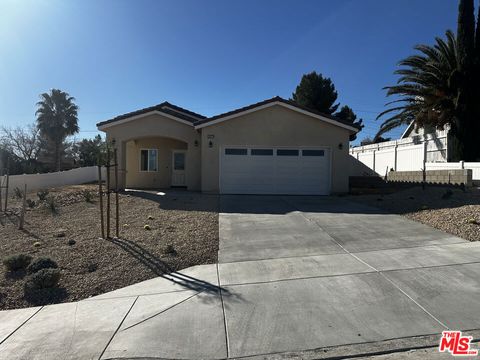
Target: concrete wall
[
  {"x": 151, "y": 179},
  {"x": 156, "y": 125},
  {"x": 456, "y": 177},
  {"x": 46, "y": 181},
  {"x": 275, "y": 126}
]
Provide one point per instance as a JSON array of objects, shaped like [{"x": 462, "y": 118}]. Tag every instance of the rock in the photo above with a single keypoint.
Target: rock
[
  {"x": 71, "y": 242},
  {"x": 37, "y": 244},
  {"x": 60, "y": 233}
]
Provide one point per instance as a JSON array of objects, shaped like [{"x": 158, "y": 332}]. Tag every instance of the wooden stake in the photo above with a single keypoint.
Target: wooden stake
[
  {"x": 6, "y": 192},
  {"x": 1, "y": 189},
  {"x": 108, "y": 192},
  {"x": 100, "y": 191},
  {"x": 115, "y": 164},
  {"x": 22, "y": 214}
]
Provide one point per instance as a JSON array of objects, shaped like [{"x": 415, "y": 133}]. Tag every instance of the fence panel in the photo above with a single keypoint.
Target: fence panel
[
  {"x": 55, "y": 179},
  {"x": 367, "y": 158},
  {"x": 384, "y": 161},
  {"x": 410, "y": 158},
  {"x": 475, "y": 166}
]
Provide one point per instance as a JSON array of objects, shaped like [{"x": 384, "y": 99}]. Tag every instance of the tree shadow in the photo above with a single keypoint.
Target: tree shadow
[
  {"x": 45, "y": 296},
  {"x": 162, "y": 269}
]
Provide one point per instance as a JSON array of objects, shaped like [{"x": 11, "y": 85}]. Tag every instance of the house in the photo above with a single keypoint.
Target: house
[
  {"x": 437, "y": 141},
  {"x": 272, "y": 147}
]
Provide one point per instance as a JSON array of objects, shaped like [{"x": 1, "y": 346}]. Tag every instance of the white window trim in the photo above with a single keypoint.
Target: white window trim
[{"x": 148, "y": 160}]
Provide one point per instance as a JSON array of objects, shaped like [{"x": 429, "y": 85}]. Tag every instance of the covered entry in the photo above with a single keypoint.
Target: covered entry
[{"x": 275, "y": 170}]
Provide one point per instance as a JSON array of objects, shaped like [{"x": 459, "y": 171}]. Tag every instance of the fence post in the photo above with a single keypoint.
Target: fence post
[
  {"x": 395, "y": 154},
  {"x": 424, "y": 155},
  {"x": 374, "y": 151},
  {"x": 462, "y": 164}
]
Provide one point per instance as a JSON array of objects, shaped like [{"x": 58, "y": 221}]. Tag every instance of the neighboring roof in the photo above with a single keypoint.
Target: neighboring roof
[
  {"x": 273, "y": 101},
  {"x": 408, "y": 130},
  {"x": 165, "y": 107}
]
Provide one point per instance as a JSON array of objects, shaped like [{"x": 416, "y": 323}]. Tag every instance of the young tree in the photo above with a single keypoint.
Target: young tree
[
  {"x": 57, "y": 118},
  {"x": 317, "y": 93}
]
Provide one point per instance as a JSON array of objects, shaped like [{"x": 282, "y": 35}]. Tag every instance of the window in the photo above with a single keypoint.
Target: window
[
  {"x": 235, "y": 151},
  {"x": 264, "y": 152},
  {"x": 313, "y": 152},
  {"x": 148, "y": 160},
  {"x": 287, "y": 152}
]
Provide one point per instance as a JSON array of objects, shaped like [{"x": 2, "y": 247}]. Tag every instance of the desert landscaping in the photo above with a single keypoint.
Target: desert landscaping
[{"x": 159, "y": 234}]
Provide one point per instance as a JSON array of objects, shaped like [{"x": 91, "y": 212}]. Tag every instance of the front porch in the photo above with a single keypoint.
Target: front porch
[{"x": 155, "y": 162}]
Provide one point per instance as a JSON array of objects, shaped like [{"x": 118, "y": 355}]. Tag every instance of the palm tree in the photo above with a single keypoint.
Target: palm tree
[
  {"x": 56, "y": 119},
  {"x": 427, "y": 88}
]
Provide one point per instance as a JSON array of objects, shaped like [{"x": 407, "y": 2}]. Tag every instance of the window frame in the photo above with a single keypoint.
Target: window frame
[
  {"x": 148, "y": 160},
  {"x": 239, "y": 149}
]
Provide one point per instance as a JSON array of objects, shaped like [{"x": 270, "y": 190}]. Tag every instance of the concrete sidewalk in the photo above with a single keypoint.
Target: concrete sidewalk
[{"x": 295, "y": 274}]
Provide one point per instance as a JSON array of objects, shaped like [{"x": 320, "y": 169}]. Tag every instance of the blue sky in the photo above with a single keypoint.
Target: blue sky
[{"x": 207, "y": 56}]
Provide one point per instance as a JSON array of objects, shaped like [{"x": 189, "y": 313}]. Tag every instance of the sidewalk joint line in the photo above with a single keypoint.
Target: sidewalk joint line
[
  {"x": 118, "y": 328},
  {"x": 379, "y": 272},
  {"x": 23, "y": 323},
  {"x": 227, "y": 342}
]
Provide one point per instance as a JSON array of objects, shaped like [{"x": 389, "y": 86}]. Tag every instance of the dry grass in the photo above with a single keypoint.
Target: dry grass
[
  {"x": 183, "y": 232},
  {"x": 449, "y": 209}
]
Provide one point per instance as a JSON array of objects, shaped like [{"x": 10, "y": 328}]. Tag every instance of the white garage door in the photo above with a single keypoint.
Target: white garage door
[{"x": 267, "y": 170}]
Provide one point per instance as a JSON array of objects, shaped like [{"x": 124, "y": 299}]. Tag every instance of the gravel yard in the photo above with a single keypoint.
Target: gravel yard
[
  {"x": 183, "y": 231},
  {"x": 449, "y": 209}
]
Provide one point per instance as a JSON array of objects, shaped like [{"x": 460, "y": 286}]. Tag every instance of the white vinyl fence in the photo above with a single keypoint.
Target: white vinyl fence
[
  {"x": 45, "y": 181},
  {"x": 415, "y": 153}
]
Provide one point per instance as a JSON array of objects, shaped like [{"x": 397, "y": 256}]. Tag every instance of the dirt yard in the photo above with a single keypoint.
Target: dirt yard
[
  {"x": 449, "y": 209},
  {"x": 182, "y": 231}
]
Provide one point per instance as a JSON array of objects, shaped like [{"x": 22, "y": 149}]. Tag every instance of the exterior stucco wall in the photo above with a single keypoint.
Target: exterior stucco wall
[
  {"x": 152, "y": 126},
  {"x": 151, "y": 179},
  {"x": 275, "y": 126}
]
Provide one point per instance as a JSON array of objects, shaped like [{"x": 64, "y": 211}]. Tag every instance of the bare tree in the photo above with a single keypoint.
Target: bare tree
[{"x": 22, "y": 142}]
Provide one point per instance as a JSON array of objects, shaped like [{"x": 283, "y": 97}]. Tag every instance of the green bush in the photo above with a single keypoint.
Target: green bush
[
  {"x": 17, "y": 262},
  {"x": 51, "y": 204},
  {"x": 42, "y": 195},
  {"x": 44, "y": 279},
  {"x": 17, "y": 193},
  {"x": 31, "y": 203},
  {"x": 41, "y": 263},
  {"x": 87, "y": 196}
]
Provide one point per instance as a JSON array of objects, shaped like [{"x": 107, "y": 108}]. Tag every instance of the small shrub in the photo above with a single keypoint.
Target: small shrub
[
  {"x": 170, "y": 250},
  {"x": 147, "y": 227},
  {"x": 17, "y": 262},
  {"x": 42, "y": 195},
  {"x": 17, "y": 193},
  {"x": 87, "y": 196},
  {"x": 41, "y": 263},
  {"x": 92, "y": 267},
  {"x": 51, "y": 204},
  {"x": 44, "y": 279},
  {"x": 71, "y": 242},
  {"x": 31, "y": 203},
  {"x": 473, "y": 221}
]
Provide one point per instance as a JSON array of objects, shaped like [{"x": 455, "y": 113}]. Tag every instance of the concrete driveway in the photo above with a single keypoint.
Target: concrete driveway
[{"x": 312, "y": 275}]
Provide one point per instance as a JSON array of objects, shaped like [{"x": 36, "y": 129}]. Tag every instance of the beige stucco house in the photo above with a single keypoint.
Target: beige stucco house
[{"x": 271, "y": 147}]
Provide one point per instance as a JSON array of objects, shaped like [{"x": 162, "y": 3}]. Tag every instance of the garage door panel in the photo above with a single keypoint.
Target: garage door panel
[{"x": 274, "y": 171}]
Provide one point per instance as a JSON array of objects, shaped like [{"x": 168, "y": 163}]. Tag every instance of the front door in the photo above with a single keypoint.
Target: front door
[{"x": 178, "y": 168}]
